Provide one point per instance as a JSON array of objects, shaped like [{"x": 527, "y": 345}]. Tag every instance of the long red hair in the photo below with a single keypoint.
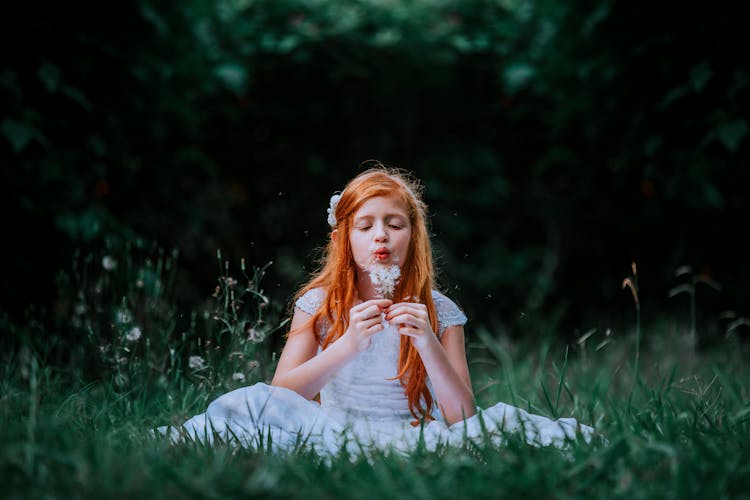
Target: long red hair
[{"x": 337, "y": 274}]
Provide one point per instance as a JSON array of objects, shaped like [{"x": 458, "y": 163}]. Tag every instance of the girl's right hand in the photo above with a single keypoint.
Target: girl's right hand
[{"x": 365, "y": 320}]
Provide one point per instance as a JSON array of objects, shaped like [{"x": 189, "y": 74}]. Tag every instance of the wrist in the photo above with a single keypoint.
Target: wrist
[
  {"x": 350, "y": 344},
  {"x": 427, "y": 344}
]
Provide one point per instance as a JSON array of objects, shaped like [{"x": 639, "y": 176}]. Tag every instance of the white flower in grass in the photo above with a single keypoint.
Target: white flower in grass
[
  {"x": 238, "y": 377},
  {"x": 108, "y": 263},
  {"x": 196, "y": 363},
  {"x": 255, "y": 336},
  {"x": 134, "y": 334}
]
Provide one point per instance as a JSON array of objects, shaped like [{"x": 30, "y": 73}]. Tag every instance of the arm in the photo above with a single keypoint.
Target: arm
[
  {"x": 303, "y": 370},
  {"x": 446, "y": 366},
  {"x": 444, "y": 360}
]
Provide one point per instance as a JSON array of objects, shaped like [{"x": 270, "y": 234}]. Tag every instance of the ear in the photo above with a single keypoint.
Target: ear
[{"x": 333, "y": 234}]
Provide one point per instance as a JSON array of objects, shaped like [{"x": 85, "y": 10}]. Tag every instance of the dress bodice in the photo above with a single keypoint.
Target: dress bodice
[{"x": 366, "y": 387}]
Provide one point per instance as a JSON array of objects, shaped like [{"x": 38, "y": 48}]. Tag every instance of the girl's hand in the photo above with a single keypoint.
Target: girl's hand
[
  {"x": 365, "y": 320},
  {"x": 412, "y": 319}
]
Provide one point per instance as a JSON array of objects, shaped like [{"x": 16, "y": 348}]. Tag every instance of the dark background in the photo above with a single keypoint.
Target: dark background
[{"x": 557, "y": 144}]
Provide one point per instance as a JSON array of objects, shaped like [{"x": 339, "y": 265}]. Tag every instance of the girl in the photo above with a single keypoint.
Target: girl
[{"x": 372, "y": 337}]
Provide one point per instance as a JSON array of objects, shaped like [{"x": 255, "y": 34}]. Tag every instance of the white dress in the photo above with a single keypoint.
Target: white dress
[{"x": 361, "y": 408}]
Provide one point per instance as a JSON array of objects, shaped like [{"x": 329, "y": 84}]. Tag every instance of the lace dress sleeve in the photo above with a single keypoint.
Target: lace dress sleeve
[
  {"x": 448, "y": 312},
  {"x": 310, "y": 301}
]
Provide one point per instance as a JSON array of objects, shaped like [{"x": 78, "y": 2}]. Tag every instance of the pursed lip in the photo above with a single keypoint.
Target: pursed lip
[{"x": 382, "y": 254}]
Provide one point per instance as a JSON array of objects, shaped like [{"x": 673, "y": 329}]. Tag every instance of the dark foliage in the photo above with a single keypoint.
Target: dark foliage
[{"x": 558, "y": 142}]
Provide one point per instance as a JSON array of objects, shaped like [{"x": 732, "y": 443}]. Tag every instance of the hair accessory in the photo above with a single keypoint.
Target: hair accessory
[{"x": 332, "y": 209}]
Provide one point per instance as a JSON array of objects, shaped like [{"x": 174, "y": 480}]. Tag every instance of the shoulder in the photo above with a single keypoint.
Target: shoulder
[
  {"x": 311, "y": 300},
  {"x": 448, "y": 313}
]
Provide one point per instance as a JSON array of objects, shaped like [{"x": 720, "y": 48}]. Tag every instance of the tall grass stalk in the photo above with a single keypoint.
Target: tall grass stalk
[{"x": 631, "y": 282}]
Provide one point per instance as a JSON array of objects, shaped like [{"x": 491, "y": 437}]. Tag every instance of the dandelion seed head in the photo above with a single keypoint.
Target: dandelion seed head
[
  {"x": 108, "y": 263},
  {"x": 384, "y": 279},
  {"x": 238, "y": 377},
  {"x": 134, "y": 334},
  {"x": 254, "y": 335},
  {"x": 196, "y": 363}
]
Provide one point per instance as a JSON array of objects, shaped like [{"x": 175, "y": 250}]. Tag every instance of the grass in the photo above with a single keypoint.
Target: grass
[{"x": 679, "y": 427}]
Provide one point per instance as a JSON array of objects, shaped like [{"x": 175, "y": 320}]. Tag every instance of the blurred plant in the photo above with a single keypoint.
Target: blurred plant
[
  {"x": 735, "y": 322},
  {"x": 690, "y": 288},
  {"x": 238, "y": 325},
  {"x": 122, "y": 301},
  {"x": 632, "y": 283}
]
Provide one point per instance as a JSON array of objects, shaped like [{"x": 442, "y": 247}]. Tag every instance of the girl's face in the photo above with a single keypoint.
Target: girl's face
[{"x": 380, "y": 233}]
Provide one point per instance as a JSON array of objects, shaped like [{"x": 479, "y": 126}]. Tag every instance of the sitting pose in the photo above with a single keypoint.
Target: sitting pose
[{"x": 382, "y": 349}]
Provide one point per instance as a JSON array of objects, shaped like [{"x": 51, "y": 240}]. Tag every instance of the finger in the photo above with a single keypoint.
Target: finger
[
  {"x": 408, "y": 332},
  {"x": 419, "y": 312},
  {"x": 368, "y": 323},
  {"x": 372, "y": 330},
  {"x": 378, "y": 303},
  {"x": 368, "y": 313},
  {"x": 407, "y": 319}
]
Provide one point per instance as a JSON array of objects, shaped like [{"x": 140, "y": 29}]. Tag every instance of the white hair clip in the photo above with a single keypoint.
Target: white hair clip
[{"x": 332, "y": 209}]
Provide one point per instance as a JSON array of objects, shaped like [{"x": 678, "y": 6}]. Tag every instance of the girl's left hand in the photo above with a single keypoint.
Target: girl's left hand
[{"x": 412, "y": 319}]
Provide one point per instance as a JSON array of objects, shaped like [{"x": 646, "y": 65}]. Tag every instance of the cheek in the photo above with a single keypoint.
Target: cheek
[{"x": 404, "y": 242}]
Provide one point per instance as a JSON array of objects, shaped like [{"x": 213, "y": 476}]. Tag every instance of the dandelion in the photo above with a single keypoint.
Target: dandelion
[
  {"x": 196, "y": 363},
  {"x": 134, "y": 334},
  {"x": 238, "y": 377},
  {"x": 255, "y": 336},
  {"x": 384, "y": 279},
  {"x": 108, "y": 263}
]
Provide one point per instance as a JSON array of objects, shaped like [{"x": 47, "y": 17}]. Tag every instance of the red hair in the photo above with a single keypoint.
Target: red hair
[{"x": 337, "y": 274}]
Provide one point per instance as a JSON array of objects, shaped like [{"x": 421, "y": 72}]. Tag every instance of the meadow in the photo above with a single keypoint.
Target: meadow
[{"x": 79, "y": 395}]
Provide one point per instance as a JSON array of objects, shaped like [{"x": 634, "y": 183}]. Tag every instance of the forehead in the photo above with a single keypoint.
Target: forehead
[{"x": 382, "y": 205}]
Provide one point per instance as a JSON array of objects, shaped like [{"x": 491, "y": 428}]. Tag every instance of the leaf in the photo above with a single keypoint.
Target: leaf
[
  {"x": 700, "y": 74},
  {"x": 233, "y": 76},
  {"x": 517, "y": 75},
  {"x": 732, "y": 133},
  {"x": 681, "y": 289},
  {"x": 49, "y": 74},
  {"x": 19, "y": 134}
]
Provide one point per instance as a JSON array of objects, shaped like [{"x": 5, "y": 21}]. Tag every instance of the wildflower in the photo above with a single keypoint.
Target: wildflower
[
  {"x": 252, "y": 365},
  {"x": 254, "y": 335},
  {"x": 108, "y": 263},
  {"x": 124, "y": 316},
  {"x": 134, "y": 334},
  {"x": 238, "y": 377},
  {"x": 196, "y": 363}
]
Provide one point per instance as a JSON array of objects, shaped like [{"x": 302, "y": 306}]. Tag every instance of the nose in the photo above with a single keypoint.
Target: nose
[{"x": 381, "y": 234}]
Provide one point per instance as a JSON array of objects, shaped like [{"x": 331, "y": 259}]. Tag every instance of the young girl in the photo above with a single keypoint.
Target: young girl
[{"x": 373, "y": 338}]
